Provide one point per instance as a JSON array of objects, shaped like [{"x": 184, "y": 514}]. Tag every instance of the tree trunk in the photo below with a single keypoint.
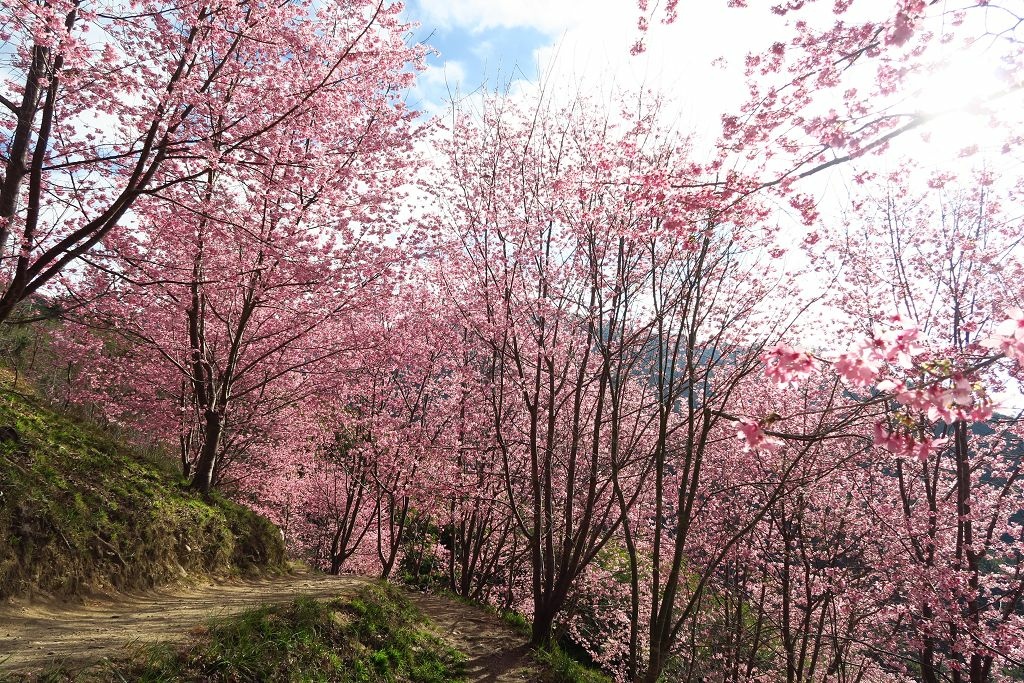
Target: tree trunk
[
  {"x": 202, "y": 479},
  {"x": 655, "y": 663},
  {"x": 336, "y": 552},
  {"x": 18, "y": 153},
  {"x": 540, "y": 633}
]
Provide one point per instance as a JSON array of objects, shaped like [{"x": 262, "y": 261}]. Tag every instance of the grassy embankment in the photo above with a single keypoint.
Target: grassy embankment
[{"x": 80, "y": 512}]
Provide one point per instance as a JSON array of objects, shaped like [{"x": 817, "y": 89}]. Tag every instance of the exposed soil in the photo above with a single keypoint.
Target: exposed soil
[
  {"x": 497, "y": 654},
  {"x": 35, "y": 636}
]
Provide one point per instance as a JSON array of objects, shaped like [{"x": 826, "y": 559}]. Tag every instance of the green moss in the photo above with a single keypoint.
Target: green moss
[{"x": 80, "y": 511}]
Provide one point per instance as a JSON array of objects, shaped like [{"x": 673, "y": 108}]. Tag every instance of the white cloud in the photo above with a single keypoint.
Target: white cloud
[
  {"x": 483, "y": 49},
  {"x": 550, "y": 16},
  {"x": 450, "y": 72},
  {"x": 437, "y": 85},
  {"x": 590, "y": 41}
]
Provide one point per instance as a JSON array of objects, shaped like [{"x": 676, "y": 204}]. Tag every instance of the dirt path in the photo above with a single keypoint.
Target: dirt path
[
  {"x": 33, "y": 636},
  {"x": 497, "y": 654}
]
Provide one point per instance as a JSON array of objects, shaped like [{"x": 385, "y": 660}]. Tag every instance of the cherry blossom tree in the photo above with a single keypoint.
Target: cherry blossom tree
[
  {"x": 382, "y": 458},
  {"x": 229, "y": 291},
  {"x": 108, "y": 110},
  {"x": 538, "y": 234},
  {"x": 818, "y": 116},
  {"x": 798, "y": 599},
  {"x": 847, "y": 79},
  {"x": 944, "y": 261},
  {"x": 608, "y": 301}
]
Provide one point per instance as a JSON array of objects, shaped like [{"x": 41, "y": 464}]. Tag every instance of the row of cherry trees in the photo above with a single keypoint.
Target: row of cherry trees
[
  {"x": 585, "y": 409},
  {"x": 657, "y": 405},
  {"x": 858, "y": 516}
]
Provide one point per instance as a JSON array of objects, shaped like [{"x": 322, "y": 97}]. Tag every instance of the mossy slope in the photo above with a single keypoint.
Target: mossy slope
[{"x": 81, "y": 512}]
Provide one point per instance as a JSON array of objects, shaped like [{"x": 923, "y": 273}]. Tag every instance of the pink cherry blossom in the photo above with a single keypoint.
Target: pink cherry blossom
[{"x": 785, "y": 365}]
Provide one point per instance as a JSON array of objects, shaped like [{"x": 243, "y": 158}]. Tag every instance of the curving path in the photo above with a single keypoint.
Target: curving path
[
  {"x": 497, "y": 654},
  {"x": 34, "y": 636}
]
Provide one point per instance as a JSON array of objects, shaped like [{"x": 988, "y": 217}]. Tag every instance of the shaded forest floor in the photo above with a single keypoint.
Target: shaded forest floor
[
  {"x": 496, "y": 652},
  {"x": 35, "y": 636}
]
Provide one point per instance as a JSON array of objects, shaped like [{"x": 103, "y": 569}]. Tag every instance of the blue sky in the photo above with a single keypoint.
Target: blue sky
[
  {"x": 490, "y": 55},
  {"x": 472, "y": 52}
]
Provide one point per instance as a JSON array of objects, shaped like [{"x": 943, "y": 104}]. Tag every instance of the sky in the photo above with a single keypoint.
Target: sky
[
  {"x": 585, "y": 45},
  {"x": 697, "y": 62}
]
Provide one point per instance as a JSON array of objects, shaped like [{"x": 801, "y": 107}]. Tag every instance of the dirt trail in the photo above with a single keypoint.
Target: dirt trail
[
  {"x": 34, "y": 636},
  {"x": 497, "y": 654}
]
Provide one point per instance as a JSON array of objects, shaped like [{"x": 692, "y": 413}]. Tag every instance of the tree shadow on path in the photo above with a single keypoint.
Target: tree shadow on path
[{"x": 496, "y": 652}]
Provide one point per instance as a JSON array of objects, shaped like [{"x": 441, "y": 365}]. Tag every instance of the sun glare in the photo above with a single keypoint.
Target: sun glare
[{"x": 962, "y": 96}]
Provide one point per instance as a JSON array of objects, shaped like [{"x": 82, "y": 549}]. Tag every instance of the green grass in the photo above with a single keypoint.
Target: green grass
[
  {"x": 80, "y": 511},
  {"x": 562, "y": 668},
  {"x": 517, "y": 621},
  {"x": 560, "y": 664},
  {"x": 376, "y": 637}
]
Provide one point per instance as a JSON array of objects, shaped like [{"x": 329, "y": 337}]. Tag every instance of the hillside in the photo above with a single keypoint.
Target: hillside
[
  {"x": 84, "y": 515},
  {"x": 80, "y": 512}
]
